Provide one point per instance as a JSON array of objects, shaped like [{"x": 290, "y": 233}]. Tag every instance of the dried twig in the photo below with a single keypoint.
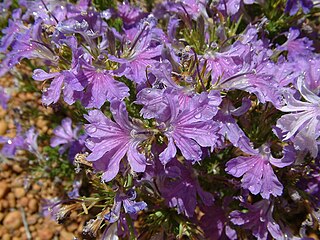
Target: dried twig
[{"x": 25, "y": 223}]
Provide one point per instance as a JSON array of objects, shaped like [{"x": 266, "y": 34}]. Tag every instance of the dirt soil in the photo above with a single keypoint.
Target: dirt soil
[{"x": 21, "y": 196}]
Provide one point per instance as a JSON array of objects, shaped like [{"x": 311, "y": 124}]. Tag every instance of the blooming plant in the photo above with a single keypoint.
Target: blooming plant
[{"x": 196, "y": 119}]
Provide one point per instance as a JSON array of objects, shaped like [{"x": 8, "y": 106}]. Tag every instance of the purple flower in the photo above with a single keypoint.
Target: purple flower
[
  {"x": 173, "y": 24},
  {"x": 293, "y": 6},
  {"x": 285, "y": 72},
  {"x": 139, "y": 54},
  {"x": 4, "y": 8},
  {"x": 110, "y": 141},
  {"x": 129, "y": 14},
  {"x": 229, "y": 126},
  {"x": 68, "y": 138},
  {"x": 259, "y": 220},
  {"x": 118, "y": 219},
  {"x": 180, "y": 188},
  {"x": 246, "y": 66},
  {"x": 64, "y": 134},
  {"x": 223, "y": 65},
  {"x": 154, "y": 104},
  {"x": 190, "y": 127},
  {"x": 29, "y": 45},
  {"x": 70, "y": 26},
  {"x": 129, "y": 204},
  {"x": 31, "y": 141},
  {"x": 154, "y": 100},
  {"x": 296, "y": 46},
  {"x": 51, "y": 207},
  {"x": 101, "y": 86},
  {"x": 74, "y": 193},
  {"x": 47, "y": 11},
  {"x": 192, "y": 8},
  {"x": 4, "y": 98},
  {"x": 61, "y": 80},
  {"x": 65, "y": 80},
  {"x": 11, "y": 145},
  {"x": 257, "y": 172},
  {"x": 311, "y": 69},
  {"x": 302, "y": 124},
  {"x": 15, "y": 26},
  {"x": 230, "y": 7},
  {"x": 310, "y": 182},
  {"x": 214, "y": 222}
]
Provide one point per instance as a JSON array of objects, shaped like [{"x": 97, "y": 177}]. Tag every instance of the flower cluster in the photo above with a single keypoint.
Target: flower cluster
[{"x": 183, "y": 108}]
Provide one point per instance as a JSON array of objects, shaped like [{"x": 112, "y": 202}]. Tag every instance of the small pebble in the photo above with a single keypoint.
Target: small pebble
[
  {"x": 13, "y": 220},
  {"x": 3, "y": 230},
  {"x": 23, "y": 236},
  {"x": 6, "y": 174},
  {"x": 16, "y": 168},
  {"x": 64, "y": 235},
  {"x": 4, "y": 204},
  {"x": 36, "y": 187},
  {"x": 45, "y": 234},
  {"x": 72, "y": 227},
  {"x": 5, "y": 167},
  {"x": 4, "y": 189},
  {"x": 3, "y": 112},
  {"x": 33, "y": 205},
  {"x": 24, "y": 201},
  {"x": 3, "y": 127},
  {"x": 19, "y": 192},
  {"x": 6, "y": 237},
  {"x": 31, "y": 220}
]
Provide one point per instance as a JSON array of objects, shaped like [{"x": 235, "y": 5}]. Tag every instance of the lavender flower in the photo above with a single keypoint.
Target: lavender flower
[
  {"x": 215, "y": 223},
  {"x": 50, "y": 207},
  {"x": 293, "y": 6},
  {"x": 259, "y": 219},
  {"x": 65, "y": 80},
  {"x": 229, "y": 7},
  {"x": 229, "y": 127},
  {"x": 31, "y": 141},
  {"x": 110, "y": 141},
  {"x": 47, "y": 11},
  {"x": 15, "y": 26},
  {"x": 129, "y": 14},
  {"x": 68, "y": 138},
  {"x": 296, "y": 46},
  {"x": 310, "y": 182},
  {"x": 129, "y": 204},
  {"x": 4, "y": 98},
  {"x": 192, "y": 8},
  {"x": 29, "y": 44},
  {"x": 64, "y": 134},
  {"x": 4, "y": 7},
  {"x": 11, "y": 145},
  {"x": 74, "y": 193},
  {"x": 190, "y": 127},
  {"x": 101, "y": 86},
  {"x": 311, "y": 68},
  {"x": 302, "y": 125},
  {"x": 140, "y": 54},
  {"x": 180, "y": 188},
  {"x": 111, "y": 232},
  {"x": 257, "y": 172},
  {"x": 246, "y": 67}
]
